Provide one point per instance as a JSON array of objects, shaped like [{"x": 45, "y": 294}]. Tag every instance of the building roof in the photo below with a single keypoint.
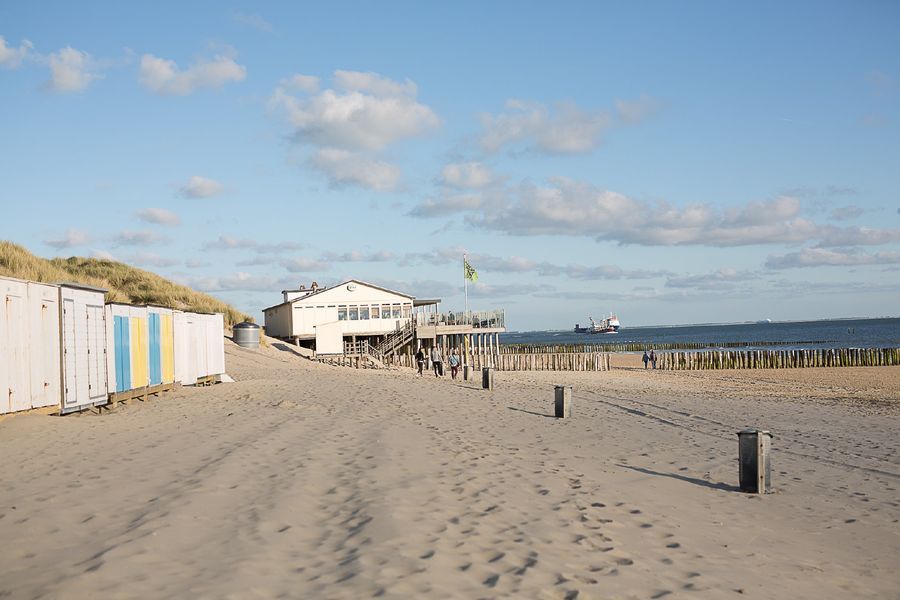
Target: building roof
[
  {"x": 80, "y": 286},
  {"x": 426, "y": 301},
  {"x": 326, "y": 289}
]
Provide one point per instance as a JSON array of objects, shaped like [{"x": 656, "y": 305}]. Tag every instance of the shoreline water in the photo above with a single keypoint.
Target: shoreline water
[{"x": 857, "y": 333}]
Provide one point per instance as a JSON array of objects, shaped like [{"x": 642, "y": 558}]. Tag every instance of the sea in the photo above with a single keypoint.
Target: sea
[{"x": 836, "y": 333}]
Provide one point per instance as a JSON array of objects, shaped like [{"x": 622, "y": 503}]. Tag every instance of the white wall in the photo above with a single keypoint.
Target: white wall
[
  {"x": 278, "y": 321},
  {"x": 15, "y": 383},
  {"x": 329, "y": 339}
]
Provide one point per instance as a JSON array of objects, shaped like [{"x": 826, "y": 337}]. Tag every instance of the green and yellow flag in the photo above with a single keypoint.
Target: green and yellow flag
[{"x": 471, "y": 273}]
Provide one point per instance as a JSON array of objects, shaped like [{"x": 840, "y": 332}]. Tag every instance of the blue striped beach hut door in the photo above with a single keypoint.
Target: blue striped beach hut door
[
  {"x": 122, "y": 335},
  {"x": 155, "y": 357}
]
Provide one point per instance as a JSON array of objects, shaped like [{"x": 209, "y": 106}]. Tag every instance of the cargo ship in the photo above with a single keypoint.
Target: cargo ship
[{"x": 607, "y": 325}]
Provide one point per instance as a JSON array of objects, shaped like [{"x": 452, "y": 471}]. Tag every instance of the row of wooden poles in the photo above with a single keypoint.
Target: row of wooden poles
[
  {"x": 641, "y": 346},
  {"x": 670, "y": 361},
  {"x": 542, "y": 361},
  {"x": 779, "y": 359}
]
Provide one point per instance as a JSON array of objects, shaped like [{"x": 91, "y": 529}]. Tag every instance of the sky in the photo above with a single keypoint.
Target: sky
[{"x": 672, "y": 162}]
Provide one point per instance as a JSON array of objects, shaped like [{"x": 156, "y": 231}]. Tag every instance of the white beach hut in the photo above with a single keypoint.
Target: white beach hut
[
  {"x": 183, "y": 358},
  {"x": 84, "y": 364},
  {"x": 215, "y": 344},
  {"x": 29, "y": 345}
]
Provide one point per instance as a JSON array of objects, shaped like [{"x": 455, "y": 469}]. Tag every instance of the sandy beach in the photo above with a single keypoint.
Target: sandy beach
[{"x": 303, "y": 480}]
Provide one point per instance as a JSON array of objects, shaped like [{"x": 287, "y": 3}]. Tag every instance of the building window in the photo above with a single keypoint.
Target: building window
[
  {"x": 364, "y": 313},
  {"x": 407, "y": 311},
  {"x": 376, "y": 311},
  {"x": 354, "y": 313},
  {"x": 342, "y": 313},
  {"x": 395, "y": 311},
  {"x": 385, "y": 311}
]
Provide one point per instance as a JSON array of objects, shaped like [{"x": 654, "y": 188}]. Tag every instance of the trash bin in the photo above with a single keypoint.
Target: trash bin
[
  {"x": 753, "y": 455},
  {"x": 246, "y": 334}
]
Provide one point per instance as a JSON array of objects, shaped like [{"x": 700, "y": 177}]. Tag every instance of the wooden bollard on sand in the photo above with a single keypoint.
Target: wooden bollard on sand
[
  {"x": 753, "y": 457},
  {"x": 467, "y": 371},
  {"x": 487, "y": 378},
  {"x": 562, "y": 396}
]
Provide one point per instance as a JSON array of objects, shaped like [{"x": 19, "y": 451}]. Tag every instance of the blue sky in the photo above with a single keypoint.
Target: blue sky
[{"x": 672, "y": 162}]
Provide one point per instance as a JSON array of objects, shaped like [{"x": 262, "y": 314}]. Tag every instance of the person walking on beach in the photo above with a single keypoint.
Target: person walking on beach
[
  {"x": 420, "y": 360},
  {"x": 646, "y": 359},
  {"x": 652, "y": 358},
  {"x": 454, "y": 363},
  {"x": 437, "y": 361}
]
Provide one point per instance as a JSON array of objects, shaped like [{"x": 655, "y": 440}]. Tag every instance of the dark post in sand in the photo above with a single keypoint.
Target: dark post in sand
[
  {"x": 487, "y": 378},
  {"x": 562, "y": 395},
  {"x": 753, "y": 456}
]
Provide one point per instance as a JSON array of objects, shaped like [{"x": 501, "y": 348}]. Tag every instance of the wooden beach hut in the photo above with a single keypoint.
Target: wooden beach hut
[
  {"x": 128, "y": 362},
  {"x": 84, "y": 351},
  {"x": 29, "y": 345},
  {"x": 161, "y": 339},
  {"x": 215, "y": 344}
]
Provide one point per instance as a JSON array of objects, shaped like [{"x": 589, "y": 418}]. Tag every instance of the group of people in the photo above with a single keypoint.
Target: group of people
[
  {"x": 649, "y": 358},
  {"x": 437, "y": 361}
]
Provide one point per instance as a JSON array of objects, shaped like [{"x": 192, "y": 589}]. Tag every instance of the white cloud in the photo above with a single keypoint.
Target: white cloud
[
  {"x": 138, "y": 238},
  {"x": 348, "y": 168},
  {"x": 858, "y": 236},
  {"x": 356, "y": 256},
  {"x": 566, "y": 129},
  {"x": 368, "y": 112},
  {"x": 844, "y": 213},
  {"x": 71, "y": 239},
  {"x": 196, "y": 264},
  {"x": 225, "y": 242},
  {"x": 239, "y": 281},
  {"x": 166, "y": 78},
  {"x": 301, "y": 83},
  {"x": 721, "y": 279},
  {"x": 158, "y": 216},
  {"x": 148, "y": 259},
  {"x": 488, "y": 263},
  {"x": 632, "y": 112},
  {"x": 260, "y": 260},
  {"x": 467, "y": 175},
  {"x": 71, "y": 70},
  {"x": 255, "y": 21},
  {"x": 303, "y": 265},
  {"x": 200, "y": 187},
  {"x": 486, "y": 290},
  {"x": 448, "y": 204},
  {"x": 102, "y": 255},
  {"x": 568, "y": 207},
  {"x": 373, "y": 83},
  {"x": 822, "y": 257},
  {"x": 11, "y": 58}
]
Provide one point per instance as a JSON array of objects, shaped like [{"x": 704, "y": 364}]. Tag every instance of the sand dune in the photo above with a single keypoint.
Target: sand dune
[{"x": 303, "y": 480}]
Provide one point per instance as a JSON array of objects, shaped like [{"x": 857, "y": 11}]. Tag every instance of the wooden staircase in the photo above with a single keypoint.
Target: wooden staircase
[{"x": 396, "y": 340}]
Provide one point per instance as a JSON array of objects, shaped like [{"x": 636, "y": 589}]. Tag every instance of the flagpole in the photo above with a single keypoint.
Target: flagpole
[{"x": 466, "y": 285}]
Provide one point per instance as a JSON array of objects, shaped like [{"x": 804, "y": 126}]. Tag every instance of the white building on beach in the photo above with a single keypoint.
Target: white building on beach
[
  {"x": 353, "y": 309},
  {"x": 327, "y": 319}
]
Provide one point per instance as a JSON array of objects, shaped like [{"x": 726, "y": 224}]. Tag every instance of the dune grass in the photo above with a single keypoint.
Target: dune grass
[{"x": 125, "y": 283}]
